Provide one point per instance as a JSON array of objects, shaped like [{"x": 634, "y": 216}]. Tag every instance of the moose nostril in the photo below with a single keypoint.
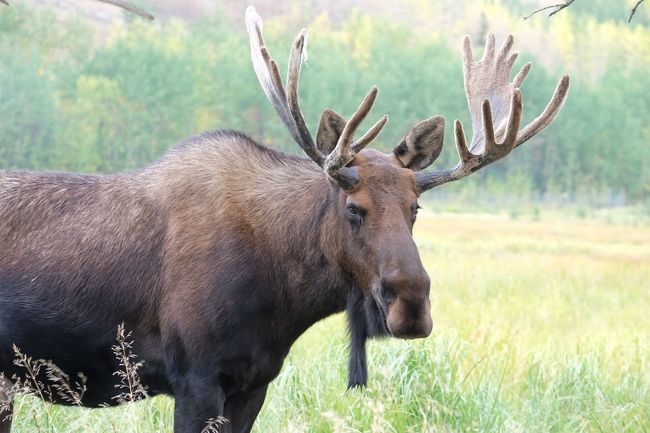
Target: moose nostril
[{"x": 387, "y": 293}]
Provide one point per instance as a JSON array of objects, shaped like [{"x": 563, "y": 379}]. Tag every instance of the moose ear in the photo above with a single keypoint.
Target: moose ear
[
  {"x": 330, "y": 129},
  {"x": 422, "y": 145}
]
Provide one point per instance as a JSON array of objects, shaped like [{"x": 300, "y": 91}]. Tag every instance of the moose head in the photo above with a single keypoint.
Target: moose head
[{"x": 377, "y": 192}]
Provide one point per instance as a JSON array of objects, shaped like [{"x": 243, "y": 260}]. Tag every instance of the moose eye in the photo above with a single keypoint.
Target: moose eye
[
  {"x": 414, "y": 209},
  {"x": 355, "y": 216}
]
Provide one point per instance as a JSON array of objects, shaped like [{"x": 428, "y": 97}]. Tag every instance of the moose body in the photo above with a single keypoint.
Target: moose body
[
  {"x": 215, "y": 258},
  {"x": 219, "y": 255}
]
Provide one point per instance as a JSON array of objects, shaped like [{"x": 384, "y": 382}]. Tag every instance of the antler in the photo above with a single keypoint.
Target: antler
[
  {"x": 286, "y": 104},
  {"x": 345, "y": 150},
  {"x": 495, "y": 107}
]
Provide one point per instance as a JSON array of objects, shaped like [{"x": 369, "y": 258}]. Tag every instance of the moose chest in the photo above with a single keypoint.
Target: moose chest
[{"x": 251, "y": 372}]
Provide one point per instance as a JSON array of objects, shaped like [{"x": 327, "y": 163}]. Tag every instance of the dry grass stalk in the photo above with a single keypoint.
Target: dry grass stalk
[
  {"x": 213, "y": 425},
  {"x": 130, "y": 385},
  {"x": 58, "y": 383},
  {"x": 8, "y": 391},
  {"x": 67, "y": 391},
  {"x": 31, "y": 384}
]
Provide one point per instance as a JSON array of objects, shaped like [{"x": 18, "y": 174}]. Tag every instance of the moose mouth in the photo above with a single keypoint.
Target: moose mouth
[
  {"x": 381, "y": 311},
  {"x": 377, "y": 315}
]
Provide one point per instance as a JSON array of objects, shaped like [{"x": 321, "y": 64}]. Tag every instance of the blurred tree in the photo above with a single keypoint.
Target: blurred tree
[
  {"x": 103, "y": 99},
  {"x": 27, "y": 110}
]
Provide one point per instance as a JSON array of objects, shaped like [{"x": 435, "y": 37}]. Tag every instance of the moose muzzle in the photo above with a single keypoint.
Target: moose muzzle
[
  {"x": 408, "y": 309},
  {"x": 409, "y": 318}
]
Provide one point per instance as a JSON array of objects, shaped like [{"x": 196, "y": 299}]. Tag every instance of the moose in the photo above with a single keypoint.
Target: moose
[{"x": 223, "y": 252}]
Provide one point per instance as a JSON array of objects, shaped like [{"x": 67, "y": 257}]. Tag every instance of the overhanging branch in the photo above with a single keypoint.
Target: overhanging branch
[
  {"x": 128, "y": 7},
  {"x": 634, "y": 10},
  {"x": 558, "y": 7},
  {"x": 120, "y": 4}
]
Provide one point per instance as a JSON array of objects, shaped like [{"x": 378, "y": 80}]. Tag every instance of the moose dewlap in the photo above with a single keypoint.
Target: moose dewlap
[{"x": 219, "y": 255}]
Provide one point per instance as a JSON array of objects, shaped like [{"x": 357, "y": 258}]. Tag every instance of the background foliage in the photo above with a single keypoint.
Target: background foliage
[{"x": 98, "y": 97}]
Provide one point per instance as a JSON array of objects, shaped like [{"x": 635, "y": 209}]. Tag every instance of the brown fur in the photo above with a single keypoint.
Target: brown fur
[{"x": 217, "y": 257}]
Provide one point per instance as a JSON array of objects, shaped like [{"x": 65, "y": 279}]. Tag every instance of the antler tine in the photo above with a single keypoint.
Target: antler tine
[
  {"x": 266, "y": 69},
  {"x": 370, "y": 135},
  {"x": 488, "y": 53},
  {"x": 549, "y": 114},
  {"x": 494, "y": 150},
  {"x": 461, "y": 144},
  {"x": 295, "y": 63},
  {"x": 514, "y": 120},
  {"x": 275, "y": 91},
  {"x": 521, "y": 75},
  {"x": 487, "y": 85},
  {"x": 503, "y": 52},
  {"x": 488, "y": 126},
  {"x": 468, "y": 55},
  {"x": 357, "y": 118},
  {"x": 345, "y": 150},
  {"x": 293, "y": 78},
  {"x": 262, "y": 62}
]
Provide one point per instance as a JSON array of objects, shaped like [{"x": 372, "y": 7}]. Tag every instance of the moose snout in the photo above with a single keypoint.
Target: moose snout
[
  {"x": 408, "y": 307},
  {"x": 409, "y": 318}
]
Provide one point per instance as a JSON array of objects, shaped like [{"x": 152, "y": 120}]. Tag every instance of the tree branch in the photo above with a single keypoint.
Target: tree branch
[
  {"x": 128, "y": 7},
  {"x": 634, "y": 10},
  {"x": 567, "y": 3},
  {"x": 557, "y": 7},
  {"x": 120, "y": 4}
]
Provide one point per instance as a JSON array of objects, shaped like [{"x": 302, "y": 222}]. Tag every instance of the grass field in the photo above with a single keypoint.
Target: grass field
[{"x": 539, "y": 326}]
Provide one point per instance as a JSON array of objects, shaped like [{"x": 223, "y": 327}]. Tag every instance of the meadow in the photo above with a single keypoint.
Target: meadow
[{"x": 541, "y": 324}]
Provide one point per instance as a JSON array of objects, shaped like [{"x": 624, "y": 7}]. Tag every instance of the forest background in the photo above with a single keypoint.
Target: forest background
[{"x": 89, "y": 88}]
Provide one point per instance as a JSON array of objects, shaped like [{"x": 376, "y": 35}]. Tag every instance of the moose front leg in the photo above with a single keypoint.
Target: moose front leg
[
  {"x": 241, "y": 410},
  {"x": 6, "y": 411},
  {"x": 198, "y": 399}
]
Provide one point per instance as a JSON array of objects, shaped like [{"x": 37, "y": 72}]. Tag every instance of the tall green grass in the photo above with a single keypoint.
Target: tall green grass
[{"x": 539, "y": 326}]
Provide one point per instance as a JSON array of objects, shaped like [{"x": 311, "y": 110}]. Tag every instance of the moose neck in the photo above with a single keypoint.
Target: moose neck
[
  {"x": 279, "y": 211},
  {"x": 304, "y": 240}
]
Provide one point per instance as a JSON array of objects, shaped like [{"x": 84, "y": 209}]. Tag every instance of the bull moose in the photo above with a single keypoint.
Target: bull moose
[{"x": 220, "y": 254}]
